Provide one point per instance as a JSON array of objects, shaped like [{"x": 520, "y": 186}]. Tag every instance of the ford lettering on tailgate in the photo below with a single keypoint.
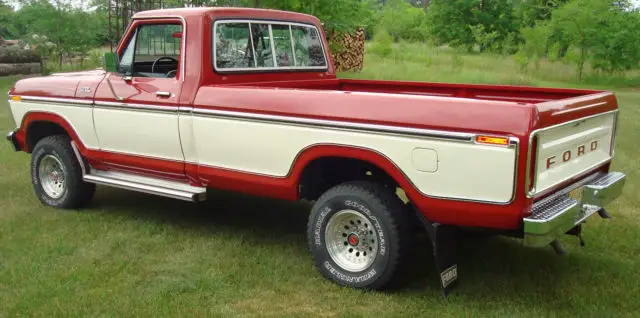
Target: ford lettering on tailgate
[{"x": 568, "y": 150}]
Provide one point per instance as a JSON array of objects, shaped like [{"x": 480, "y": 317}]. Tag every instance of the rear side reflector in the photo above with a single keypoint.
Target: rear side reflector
[{"x": 503, "y": 141}]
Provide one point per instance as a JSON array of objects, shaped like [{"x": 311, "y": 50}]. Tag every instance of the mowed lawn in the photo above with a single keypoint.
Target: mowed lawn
[{"x": 132, "y": 254}]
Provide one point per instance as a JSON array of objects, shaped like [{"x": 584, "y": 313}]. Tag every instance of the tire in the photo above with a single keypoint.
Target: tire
[
  {"x": 380, "y": 228},
  {"x": 56, "y": 174}
]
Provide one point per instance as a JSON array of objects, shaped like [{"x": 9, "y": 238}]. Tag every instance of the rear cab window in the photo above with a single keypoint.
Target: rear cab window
[{"x": 255, "y": 45}]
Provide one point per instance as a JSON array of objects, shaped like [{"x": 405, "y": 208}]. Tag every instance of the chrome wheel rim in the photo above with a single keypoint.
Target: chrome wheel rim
[
  {"x": 51, "y": 175},
  {"x": 351, "y": 240}
]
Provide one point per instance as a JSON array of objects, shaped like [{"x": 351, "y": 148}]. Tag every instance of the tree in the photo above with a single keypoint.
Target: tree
[
  {"x": 402, "y": 21},
  {"x": 7, "y": 16},
  {"x": 461, "y": 22}
]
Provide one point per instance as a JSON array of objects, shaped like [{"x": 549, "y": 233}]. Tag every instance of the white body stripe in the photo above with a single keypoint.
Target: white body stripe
[
  {"x": 465, "y": 170},
  {"x": 456, "y": 169},
  {"x": 142, "y": 133}
]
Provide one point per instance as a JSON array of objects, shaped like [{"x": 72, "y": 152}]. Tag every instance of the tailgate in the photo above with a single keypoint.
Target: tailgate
[{"x": 578, "y": 137}]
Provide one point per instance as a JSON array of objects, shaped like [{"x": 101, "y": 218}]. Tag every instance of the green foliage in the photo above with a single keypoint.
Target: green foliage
[
  {"x": 382, "y": 43},
  {"x": 534, "y": 46},
  {"x": 602, "y": 32},
  {"x": 529, "y": 12},
  {"x": 55, "y": 28},
  {"x": 403, "y": 21},
  {"x": 461, "y": 23},
  {"x": 7, "y": 23},
  {"x": 618, "y": 45},
  {"x": 342, "y": 15}
]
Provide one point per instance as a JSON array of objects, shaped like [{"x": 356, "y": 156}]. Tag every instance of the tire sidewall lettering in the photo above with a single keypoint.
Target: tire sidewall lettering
[{"x": 318, "y": 227}]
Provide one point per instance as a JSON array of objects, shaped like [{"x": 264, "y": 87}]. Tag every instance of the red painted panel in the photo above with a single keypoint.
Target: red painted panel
[
  {"x": 62, "y": 85},
  {"x": 426, "y": 112}
]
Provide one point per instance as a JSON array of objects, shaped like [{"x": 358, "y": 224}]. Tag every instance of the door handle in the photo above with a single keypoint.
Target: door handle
[{"x": 163, "y": 94}]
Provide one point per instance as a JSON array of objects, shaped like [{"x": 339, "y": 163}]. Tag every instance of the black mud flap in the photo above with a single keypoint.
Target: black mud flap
[{"x": 444, "y": 240}]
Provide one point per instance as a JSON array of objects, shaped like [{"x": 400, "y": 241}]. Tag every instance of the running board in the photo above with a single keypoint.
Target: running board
[{"x": 161, "y": 187}]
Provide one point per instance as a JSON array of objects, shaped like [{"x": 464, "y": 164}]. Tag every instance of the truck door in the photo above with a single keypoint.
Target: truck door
[{"x": 136, "y": 108}]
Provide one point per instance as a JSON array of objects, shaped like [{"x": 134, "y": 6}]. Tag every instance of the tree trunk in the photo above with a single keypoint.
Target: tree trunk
[
  {"x": 425, "y": 5},
  {"x": 583, "y": 56},
  {"x": 20, "y": 68},
  {"x": 256, "y": 3}
]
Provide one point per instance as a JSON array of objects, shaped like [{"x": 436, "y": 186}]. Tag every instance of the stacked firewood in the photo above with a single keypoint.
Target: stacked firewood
[
  {"x": 16, "y": 60},
  {"x": 347, "y": 50}
]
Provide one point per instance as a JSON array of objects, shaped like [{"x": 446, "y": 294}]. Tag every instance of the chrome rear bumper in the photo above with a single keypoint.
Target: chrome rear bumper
[{"x": 552, "y": 217}]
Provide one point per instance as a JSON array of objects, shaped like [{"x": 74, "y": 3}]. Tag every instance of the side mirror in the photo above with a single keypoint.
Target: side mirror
[{"x": 110, "y": 62}]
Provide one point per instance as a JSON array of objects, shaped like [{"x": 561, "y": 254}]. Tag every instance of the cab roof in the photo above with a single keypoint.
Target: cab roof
[{"x": 229, "y": 12}]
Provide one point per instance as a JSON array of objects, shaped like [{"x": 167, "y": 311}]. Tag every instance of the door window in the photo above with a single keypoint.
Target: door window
[{"x": 153, "y": 51}]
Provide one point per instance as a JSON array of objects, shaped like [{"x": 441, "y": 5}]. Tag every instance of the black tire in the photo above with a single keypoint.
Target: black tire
[
  {"x": 76, "y": 193},
  {"x": 388, "y": 217}
]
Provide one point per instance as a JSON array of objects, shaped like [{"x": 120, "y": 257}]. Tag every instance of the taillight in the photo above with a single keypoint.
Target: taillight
[
  {"x": 532, "y": 163},
  {"x": 490, "y": 140}
]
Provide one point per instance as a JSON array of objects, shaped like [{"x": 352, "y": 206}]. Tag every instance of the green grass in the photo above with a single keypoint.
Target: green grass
[{"x": 131, "y": 254}]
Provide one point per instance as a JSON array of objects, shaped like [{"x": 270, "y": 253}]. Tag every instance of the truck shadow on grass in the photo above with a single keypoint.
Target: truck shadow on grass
[{"x": 489, "y": 267}]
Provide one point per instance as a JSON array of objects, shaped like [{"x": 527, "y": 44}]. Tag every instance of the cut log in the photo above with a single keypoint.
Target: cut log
[
  {"x": 19, "y": 68},
  {"x": 14, "y": 54}
]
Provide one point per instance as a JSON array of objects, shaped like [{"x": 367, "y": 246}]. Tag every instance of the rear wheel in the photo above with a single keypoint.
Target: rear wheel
[
  {"x": 359, "y": 235},
  {"x": 56, "y": 174}
]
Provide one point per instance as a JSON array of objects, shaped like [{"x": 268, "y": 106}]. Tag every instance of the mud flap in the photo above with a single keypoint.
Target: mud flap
[{"x": 444, "y": 241}]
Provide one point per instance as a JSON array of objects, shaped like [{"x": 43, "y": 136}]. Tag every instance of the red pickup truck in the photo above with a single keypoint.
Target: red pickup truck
[{"x": 248, "y": 100}]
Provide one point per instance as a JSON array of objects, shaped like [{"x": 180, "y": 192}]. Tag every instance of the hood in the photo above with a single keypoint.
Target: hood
[{"x": 61, "y": 85}]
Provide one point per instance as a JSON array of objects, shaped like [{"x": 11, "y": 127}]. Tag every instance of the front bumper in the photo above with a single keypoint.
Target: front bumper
[
  {"x": 552, "y": 217},
  {"x": 11, "y": 137}
]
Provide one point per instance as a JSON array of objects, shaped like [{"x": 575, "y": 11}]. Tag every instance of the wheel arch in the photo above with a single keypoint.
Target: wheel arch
[
  {"x": 325, "y": 156},
  {"x": 39, "y": 124}
]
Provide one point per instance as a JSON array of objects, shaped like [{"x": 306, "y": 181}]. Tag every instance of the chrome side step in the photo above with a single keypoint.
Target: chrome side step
[{"x": 165, "y": 188}]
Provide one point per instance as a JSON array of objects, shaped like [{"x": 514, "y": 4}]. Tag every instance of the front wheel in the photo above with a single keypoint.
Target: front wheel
[
  {"x": 359, "y": 235},
  {"x": 56, "y": 174}
]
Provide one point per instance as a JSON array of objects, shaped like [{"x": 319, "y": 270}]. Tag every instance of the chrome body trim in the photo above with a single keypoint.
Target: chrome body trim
[
  {"x": 262, "y": 69},
  {"x": 79, "y": 158},
  {"x": 531, "y": 193},
  {"x": 183, "y": 48},
  {"x": 110, "y": 85},
  {"x": 273, "y": 46},
  {"x": 55, "y": 100},
  {"x": 434, "y": 134},
  {"x": 137, "y": 107},
  {"x": 552, "y": 217},
  {"x": 170, "y": 189}
]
